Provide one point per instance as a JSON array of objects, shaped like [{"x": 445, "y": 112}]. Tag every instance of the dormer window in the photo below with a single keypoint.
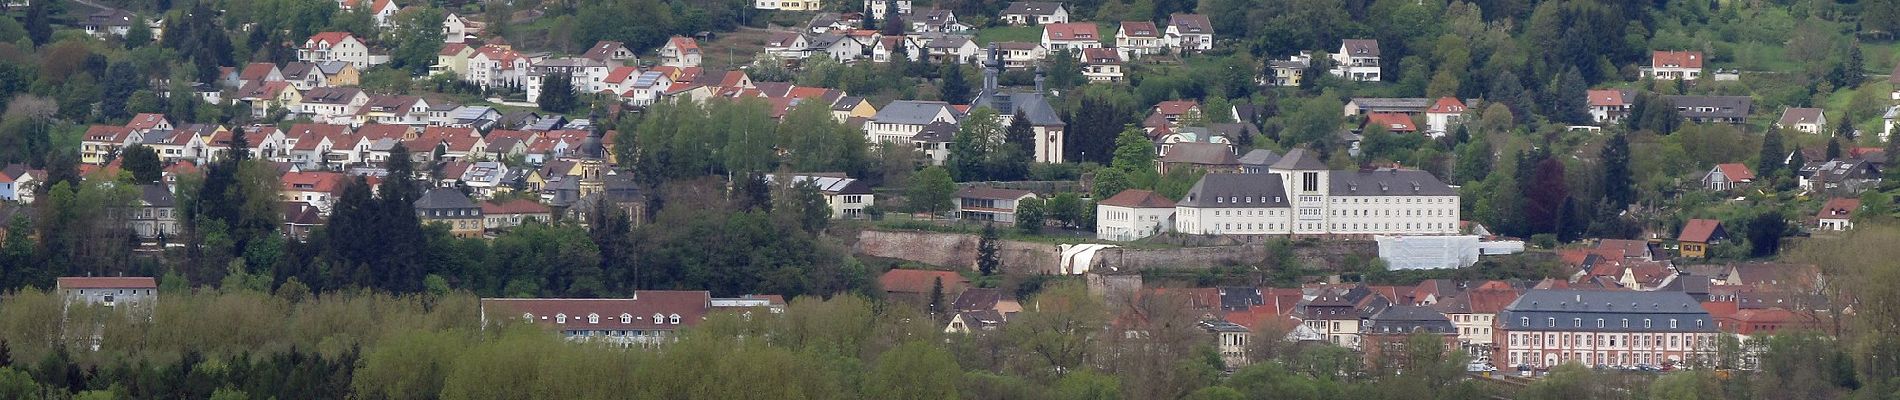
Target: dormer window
[
  {"x": 593, "y": 318},
  {"x": 675, "y": 320},
  {"x": 527, "y": 316},
  {"x": 560, "y": 318},
  {"x": 626, "y": 318},
  {"x": 659, "y": 319}
]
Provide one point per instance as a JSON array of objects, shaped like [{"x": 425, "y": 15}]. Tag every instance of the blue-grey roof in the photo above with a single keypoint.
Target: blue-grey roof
[
  {"x": 911, "y": 112},
  {"x": 1236, "y": 191},
  {"x": 1032, "y": 105},
  {"x": 1409, "y": 319},
  {"x": 1297, "y": 159},
  {"x": 1605, "y": 311},
  {"x": 1389, "y": 182}
]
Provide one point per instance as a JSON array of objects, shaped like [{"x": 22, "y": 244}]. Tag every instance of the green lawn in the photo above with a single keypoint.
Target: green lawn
[{"x": 1032, "y": 34}]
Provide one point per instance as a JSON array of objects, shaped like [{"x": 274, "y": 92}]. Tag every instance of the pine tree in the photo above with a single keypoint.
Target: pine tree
[
  {"x": 143, "y": 163},
  {"x": 870, "y": 20},
  {"x": 1617, "y": 186},
  {"x": 557, "y": 93},
  {"x": 955, "y": 87},
  {"x": 122, "y": 78},
  {"x": 936, "y": 296},
  {"x": 986, "y": 257},
  {"x": 1771, "y": 154},
  {"x": 893, "y": 21},
  {"x": 1568, "y": 98},
  {"x": 1018, "y": 150},
  {"x": 1854, "y": 69}
]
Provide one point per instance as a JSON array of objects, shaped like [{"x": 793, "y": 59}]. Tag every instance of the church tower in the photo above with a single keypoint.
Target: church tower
[
  {"x": 1308, "y": 183},
  {"x": 593, "y": 159}
]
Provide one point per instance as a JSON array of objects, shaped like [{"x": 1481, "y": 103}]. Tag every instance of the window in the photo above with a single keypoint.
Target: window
[
  {"x": 659, "y": 319},
  {"x": 527, "y": 316},
  {"x": 675, "y": 320},
  {"x": 1576, "y": 322},
  {"x": 1525, "y": 321},
  {"x": 1647, "y": 324},
  {"x": 626, "y": 318},
  {"x": 560, "y": 318},
  {"x": 593, "y": 318},
  {"x": 1550, "y": 322},
  {"x": 1672, "y": 323},
  {"x": 1599, "y": 323}
]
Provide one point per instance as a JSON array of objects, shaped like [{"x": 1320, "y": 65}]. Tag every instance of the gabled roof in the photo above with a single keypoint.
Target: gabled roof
[
  {"x": 1736, "y": 172},
  {"x": 977, "y": 299},
  {"x": 1190, "y": 23},
  {"x": 1361, "y": 47},
  {"x": 935, "y": 132},
  {"x": 1799, "y": 115},
  {"x": 107, "y": 133},
  {"x": 1608, "y": 98},
  {"x": 920, "y": 281},
  {"x": 1447, "y": 105},
  {"x": 328, "y": 38},
  {"x": 1236, "y": 191},
  {"x": 1032, "y": 8},
  {"x": 1392, "y": 122},
  {"x": 1299, "y": 158},
  {"x": 331, "y": 95},
  {"x": 1675, "y": 59},
  {"x": 312, "y": 181},
  {"x": 911, "y": 112},
  {"x": 1071, "y": 31},
  {"x": 643, "y": 310},
  {"x": 516, "y": 206},
  {"x": 1144, "y": 29},
  {"x": 603, "y": 50},
  {"x": 1137, "y": 198},
  {"x": 1176, "y": 107},
  {"x": 146, "y": 121},
  {"x": 1387, "y": 182},
  {"x": 1101, "y": 56},
  {"x": 784, "y": 39},
  {"x": 1839, "y": 208},
  {"x": 1699, "y": 230},
  {"x": 683, "y": 43},
  {"x": 257, "y": 71},
  {"x": 1198, "y": 153},
  {"x": 443, "y": 198},
  {"x": 451, "y": 49}
]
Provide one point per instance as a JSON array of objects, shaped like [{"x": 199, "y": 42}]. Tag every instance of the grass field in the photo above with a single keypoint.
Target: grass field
[{"x": 1009, "y": 34}]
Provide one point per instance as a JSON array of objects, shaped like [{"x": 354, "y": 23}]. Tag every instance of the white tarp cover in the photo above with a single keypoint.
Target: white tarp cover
[
  {"x": 1428, "y": 252},
  {"x": 1077, "y": 257}
]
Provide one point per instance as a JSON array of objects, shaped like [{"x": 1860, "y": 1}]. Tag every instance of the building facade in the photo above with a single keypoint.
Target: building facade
[{"x": 1549, "y": 327}]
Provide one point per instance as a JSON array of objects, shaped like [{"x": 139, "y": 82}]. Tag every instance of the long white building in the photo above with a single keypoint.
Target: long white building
[{"x": 1300, "y": 195}]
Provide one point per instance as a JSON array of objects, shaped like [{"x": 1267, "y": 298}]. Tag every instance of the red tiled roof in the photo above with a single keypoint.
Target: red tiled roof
[
  {"x": 130, "y": 282},
  {"x": 684, "y": 43},
  {"x": 450, "y": 49},
  {"x": 256, "y": 71},
  {"x": 1071, "y": 31},
  {"x": 1176, "y": 107},
  {"x": 1140, "y": 29},
  {"x": 1839, "y": 208},
  {"x": 1101, "y": 56},
  {"x": 1736, "y": 172},
  {"x": 1136, "y": 198},
  {"x": 1392, "y": 122},
  {"x": 517, "y": 206},
  {"x": 1447, "y": 105},
  {"x": 1699, "y": 230},
  {"x": 1675, "y": 59},
  {"x": 321, "y": 182},
  {"x": 920, "y": 281},
  {"x": 1607, "y": 98},
  {"x": 621, "y": 74},
  {"x": 330, "y": 38},
  {"x": 145, "y": 121}
]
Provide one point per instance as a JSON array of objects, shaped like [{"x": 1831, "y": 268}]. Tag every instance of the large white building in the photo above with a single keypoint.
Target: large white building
[
  {"x": 1133, "y": 214},
  {"x": 1300, "y": 195}
]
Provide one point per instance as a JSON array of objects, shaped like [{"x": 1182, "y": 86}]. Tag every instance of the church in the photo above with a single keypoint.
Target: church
[
  {"x": 1034, "y": 106},
  {"x": 1299, "y": 195}
]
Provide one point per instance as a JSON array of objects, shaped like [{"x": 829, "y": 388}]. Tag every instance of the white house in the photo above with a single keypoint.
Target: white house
[
  {"x": 384, "y": 11},
  {"x": 880, "y": 7},
  {"x": 1035, "y": 13},
  {"x": 585, "y": 75},
  {"x": 1190, "y": 33},
  {"x": 340, "y": 46},
  {"x": 847, "y": 197},
  {"x": 1300, "y": 195},
  {"x": 1609, "y": 106},
  {"x": 1803, "y": 119},
  {"x": 135, "y": 292},
  {"x": 1101, "y": 65},
  {"x": 1673, "y": 65},
  {"x": 898, "y": 121},
  {"x": 1070, "y": 36},
  {"x": 787, "y": 45},
  {"x": 333, "y": 105},
  {"x": 1837, "y": 214},
  {"x": 1133, "y": 214},
  {"x": 454, "y": 29},
  {"x": 1445, "y": 113},
  {"x": 984, "y": 203},
  {"x": 1358, "y": 60},
  {"x": 1138, "y": 38},
  {"x": 680, "y": 52}
]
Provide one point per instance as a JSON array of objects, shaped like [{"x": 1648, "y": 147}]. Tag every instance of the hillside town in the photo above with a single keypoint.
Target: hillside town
[{"x": 895, "y": 199}]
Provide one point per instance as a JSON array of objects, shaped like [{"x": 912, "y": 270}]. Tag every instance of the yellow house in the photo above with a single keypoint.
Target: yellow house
[
  {"x": 853, "y": 107},
  {"x": 340, "y": 73},
  {"x": 452, "y": 59},
  {"x": 1698, "y": 235}
]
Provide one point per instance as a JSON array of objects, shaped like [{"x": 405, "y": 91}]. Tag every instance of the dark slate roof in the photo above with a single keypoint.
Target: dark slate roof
[
  {"x": 1236, "y": 191},
  {"x": 1261, "y": 157},
  {"x": 936, "y": 132},
  {"x": 977, "y": 299},
  {"x": 1239, "y": 298},
  {"x": 155, "y": 196},
  {"x": 1390, "y": 182},
  {"x": 444, "y": 199},
  {"x": 1722, "y": 106},
  {"x": 1032, "y": 105},
  {"x": 1032, "y": 8},
  {"x": 1409, "y": 319},
  {"x": 1579, "y": 310},
  {"x": 1299, "y": 159},
  {"x": 1200, "y": 154},
  {"x": 910, "y": 112}
]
